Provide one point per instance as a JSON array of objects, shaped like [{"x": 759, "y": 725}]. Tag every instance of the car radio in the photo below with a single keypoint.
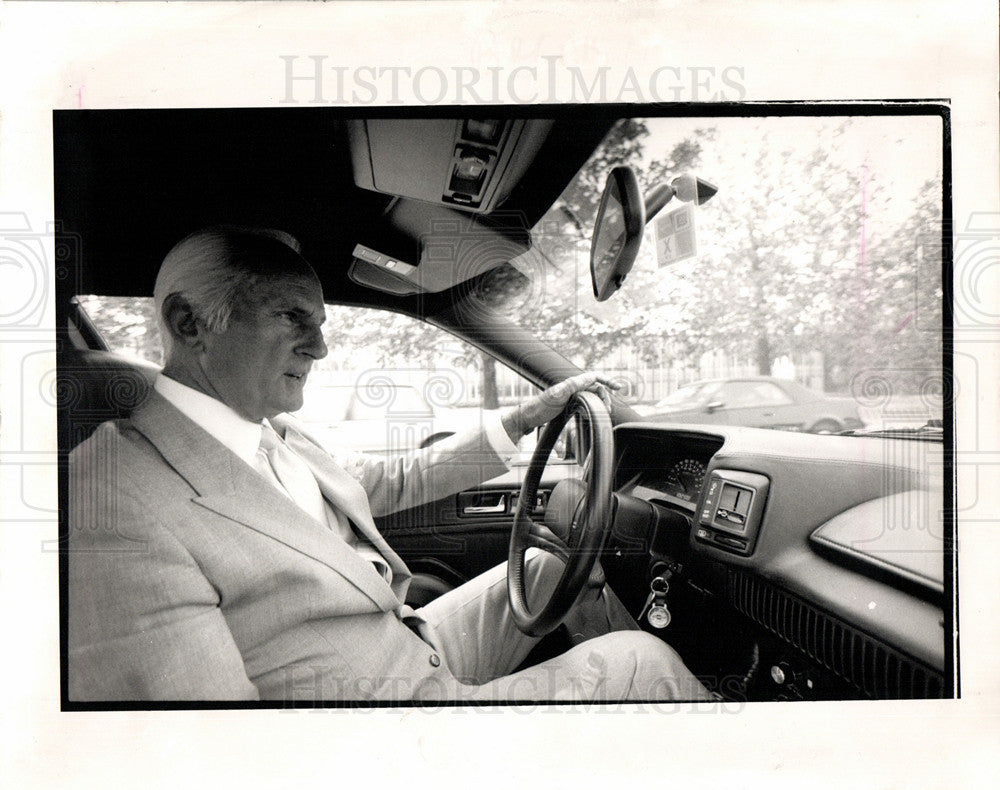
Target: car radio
[{"x": 730, "y": 510}]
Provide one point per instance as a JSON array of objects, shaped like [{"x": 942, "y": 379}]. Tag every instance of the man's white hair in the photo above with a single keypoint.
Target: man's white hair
[{"x": 213, "y": 269}]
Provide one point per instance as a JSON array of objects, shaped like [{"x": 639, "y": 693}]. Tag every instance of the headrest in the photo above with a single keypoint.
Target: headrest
[{"x": 96, "y": 386}]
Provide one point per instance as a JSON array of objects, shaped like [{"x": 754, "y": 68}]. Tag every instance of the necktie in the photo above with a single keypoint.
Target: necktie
[
  {"x": 281, "y": 465},
  {"x": 276, "y": 461}
]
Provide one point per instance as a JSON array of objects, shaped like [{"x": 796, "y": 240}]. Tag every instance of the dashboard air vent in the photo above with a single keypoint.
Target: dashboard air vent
[{"x": 873, "y": 667}]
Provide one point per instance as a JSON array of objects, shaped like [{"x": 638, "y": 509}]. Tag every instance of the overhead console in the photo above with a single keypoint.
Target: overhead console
[{"x": 468, "y": 164}]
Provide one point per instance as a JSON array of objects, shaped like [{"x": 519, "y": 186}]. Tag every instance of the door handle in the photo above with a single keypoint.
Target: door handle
[
  {"x": 478, "y": 510},
  {"x": 485, "y": 503}
]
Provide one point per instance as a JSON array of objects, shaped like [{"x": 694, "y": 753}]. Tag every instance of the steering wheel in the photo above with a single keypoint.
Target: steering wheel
[{"x": 576, "y": 521}]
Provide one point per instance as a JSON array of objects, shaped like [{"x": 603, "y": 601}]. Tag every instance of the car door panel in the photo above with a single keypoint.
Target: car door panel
[{"x": 462, "y": 535}]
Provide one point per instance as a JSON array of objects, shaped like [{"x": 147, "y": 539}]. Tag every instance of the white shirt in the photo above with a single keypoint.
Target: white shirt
[{"x": 239, "y": 434}]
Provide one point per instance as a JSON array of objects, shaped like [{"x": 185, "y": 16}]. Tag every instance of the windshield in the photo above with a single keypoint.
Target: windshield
[{"x": 817, "y": 263}]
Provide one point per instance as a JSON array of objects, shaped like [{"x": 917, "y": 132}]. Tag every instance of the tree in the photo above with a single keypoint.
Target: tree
[
  {"x": 806, "y": 252},
  {"x": 897, "y": 317},
  {"x": 775, "y": 241},
  {"x": 794, "y": 262}
]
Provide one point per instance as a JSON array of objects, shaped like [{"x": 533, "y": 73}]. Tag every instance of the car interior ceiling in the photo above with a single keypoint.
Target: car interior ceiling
[{"x": 132, "y": 183}]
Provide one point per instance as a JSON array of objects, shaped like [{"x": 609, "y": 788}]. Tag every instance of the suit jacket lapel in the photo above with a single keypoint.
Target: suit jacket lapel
[
  {"x": 345, "y": 492},
  {"x": 228, "y": 486}
]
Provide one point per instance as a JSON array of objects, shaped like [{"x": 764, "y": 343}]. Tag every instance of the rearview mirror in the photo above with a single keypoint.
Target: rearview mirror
[{"x": 617, "y": 232}]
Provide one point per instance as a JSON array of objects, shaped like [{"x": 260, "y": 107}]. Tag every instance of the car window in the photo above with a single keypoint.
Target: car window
[
  {"x": 326, "y": 404},
  {"x": 686, "y": 397},
  {"x": 394, "y": 400},
  {"x": 127, "y": 324}
]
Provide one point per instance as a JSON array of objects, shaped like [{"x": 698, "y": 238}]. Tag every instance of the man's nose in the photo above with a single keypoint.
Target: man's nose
[{"x": 314, "y": 345}]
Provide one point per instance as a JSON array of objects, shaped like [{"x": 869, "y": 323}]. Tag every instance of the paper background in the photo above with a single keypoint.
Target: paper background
[{"x": 228, "y": 54}]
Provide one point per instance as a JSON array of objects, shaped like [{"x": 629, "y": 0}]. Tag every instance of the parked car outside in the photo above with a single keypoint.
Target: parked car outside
[{"x": 758, "y": 402}]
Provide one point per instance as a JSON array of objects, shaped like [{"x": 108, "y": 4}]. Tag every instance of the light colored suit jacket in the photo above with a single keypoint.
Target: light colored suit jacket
[{"x": 191, "y": 577}]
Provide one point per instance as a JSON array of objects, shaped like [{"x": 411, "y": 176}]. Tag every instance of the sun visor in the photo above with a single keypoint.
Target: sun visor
[{"x": 454, "y": 247}]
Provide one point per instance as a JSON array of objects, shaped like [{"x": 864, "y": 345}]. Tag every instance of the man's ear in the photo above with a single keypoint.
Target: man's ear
[{"x": 181, "y": 322}]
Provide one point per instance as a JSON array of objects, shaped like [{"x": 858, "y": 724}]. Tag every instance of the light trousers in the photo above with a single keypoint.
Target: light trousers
[{"x": 473, "y": 629}]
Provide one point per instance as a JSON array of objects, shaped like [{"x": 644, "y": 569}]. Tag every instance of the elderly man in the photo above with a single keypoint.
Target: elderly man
[{"x": 216, "y": 552}]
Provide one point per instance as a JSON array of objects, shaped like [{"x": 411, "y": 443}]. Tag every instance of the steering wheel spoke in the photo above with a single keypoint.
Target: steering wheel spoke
[
  {"x": 588, "y": 465},
  {"x": 540, "y": 536}
]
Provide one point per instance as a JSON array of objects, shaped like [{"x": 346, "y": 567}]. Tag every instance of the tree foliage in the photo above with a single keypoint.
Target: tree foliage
[
  {"x": 127, "y": 323},
  {"x": 810, "y": 256}
]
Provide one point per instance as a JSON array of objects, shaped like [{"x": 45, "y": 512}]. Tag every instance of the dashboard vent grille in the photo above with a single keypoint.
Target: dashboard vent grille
[{"x": 871, "y": 666}]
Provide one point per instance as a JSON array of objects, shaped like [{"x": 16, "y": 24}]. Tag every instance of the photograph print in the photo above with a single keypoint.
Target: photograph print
[{"x": 605, "y": 404}]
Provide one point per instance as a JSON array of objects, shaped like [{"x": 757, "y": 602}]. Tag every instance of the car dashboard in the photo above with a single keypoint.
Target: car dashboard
[{"x": 819, "y": 559}]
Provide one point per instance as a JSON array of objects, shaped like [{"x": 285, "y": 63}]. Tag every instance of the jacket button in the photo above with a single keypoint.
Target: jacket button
[{"x": 435, "y": 660}]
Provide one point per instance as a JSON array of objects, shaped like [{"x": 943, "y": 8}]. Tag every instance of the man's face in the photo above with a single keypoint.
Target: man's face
[{"x": 258, "y": 365}]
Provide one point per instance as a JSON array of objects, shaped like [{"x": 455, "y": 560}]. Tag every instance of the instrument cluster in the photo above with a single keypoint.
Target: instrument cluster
[
  {"x": 668, "y": 466},
  {"x": 682, "y": 480}
]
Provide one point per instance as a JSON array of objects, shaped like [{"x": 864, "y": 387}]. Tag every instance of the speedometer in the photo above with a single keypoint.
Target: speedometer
[{"x": 685, "y": 478}]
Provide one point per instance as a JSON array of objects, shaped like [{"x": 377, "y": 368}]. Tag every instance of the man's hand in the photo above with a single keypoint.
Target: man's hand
[{"x": 527, "y": 416}]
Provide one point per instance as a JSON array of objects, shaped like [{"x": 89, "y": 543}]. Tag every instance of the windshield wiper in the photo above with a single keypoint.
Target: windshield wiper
[{"x": 933, "y": 430}]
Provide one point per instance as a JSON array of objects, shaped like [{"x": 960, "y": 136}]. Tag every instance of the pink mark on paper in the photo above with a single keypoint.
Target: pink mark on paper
[
  {"x": 864, "y": 215},
  {"x": 906, "y": 320},
  {"x": 79, "y": 98},
  {"x": 861, "y": 284}
]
